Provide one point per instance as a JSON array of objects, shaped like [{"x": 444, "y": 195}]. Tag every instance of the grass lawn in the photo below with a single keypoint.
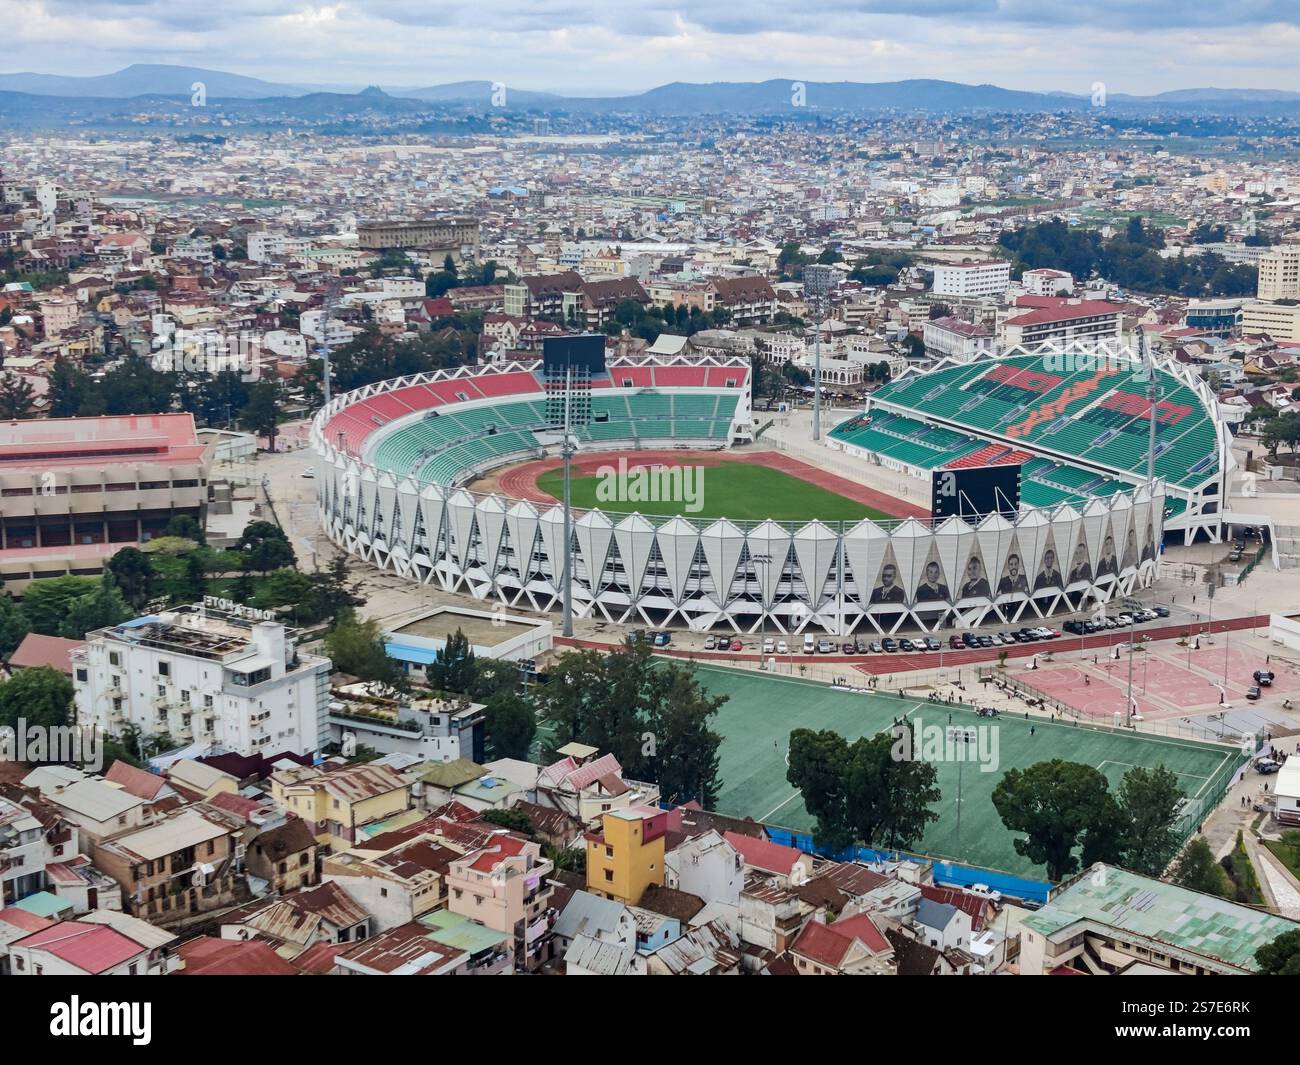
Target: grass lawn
[
  {"x": 762, "y": 709},
  {"x": 727, "y": 490},
  {"x": 1284, "y": 854}
]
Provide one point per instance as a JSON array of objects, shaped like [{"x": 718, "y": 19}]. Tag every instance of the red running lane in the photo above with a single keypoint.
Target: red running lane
[
  {"x": 907, "y": 663},
  {"x": 521, "y": 481}
]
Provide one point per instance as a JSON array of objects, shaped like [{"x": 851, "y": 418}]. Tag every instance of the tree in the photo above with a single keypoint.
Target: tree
[
  {"x": 511, "y": 725},
  {"x": 452, "y": 669},
  {"x": 46, "y": 603},
  {"x": 39, "y": 697},
  {"x": 1054, "y": 804},
  {"x": 193, "y": 584},
  {"x": 261, "y": 414},
  {"x": 265, "y": 547},
  {"x": 818, "y": 765},
  {"x": 1149, "y": 800},
  {"x": 285, "y": 587},
  {"x": 511, "y": 819},
  {"x": 185, "y": 526},
  {"x": 357, "y": 647},
  {"x": 679, "y": 750},
  {"x": 13, "y": 626},
  {"x": 17, "y": 397},
  {"x": 134, "y": 575},
  {"x": 68, "y": 390},
  {"x": 1281, "y": 957},
  {"x": 331, "y": 592},
  {"x": 651, "y": 715},
  {"x": 865, "y": 791},
  {"x": 97, "y": 609}
]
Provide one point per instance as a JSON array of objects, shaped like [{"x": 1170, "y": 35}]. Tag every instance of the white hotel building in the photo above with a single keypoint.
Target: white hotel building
[
  {"x": 972, "y": 280},
  {"x": 212, "y": 679}
]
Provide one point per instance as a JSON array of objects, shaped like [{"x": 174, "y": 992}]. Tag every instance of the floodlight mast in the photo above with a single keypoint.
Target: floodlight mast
[{"x": 567, "y": 450}]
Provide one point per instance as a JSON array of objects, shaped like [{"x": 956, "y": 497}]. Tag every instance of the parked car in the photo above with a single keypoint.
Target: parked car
[
  {"x": 737, "y": 645},
  {"x": 710, "y": 642},
  {"x": 985, "y": 892},
  {"x": 1252, "y": 693},
  {"x": 1267, "y": 765},
  {"x": 955, "y": 642},
  {"x": 875, "y": 647},
  {"x": 889, "y": 644},
  {"x": 985, "y": 641},
  {"x": 1264, "y": 678},
  {"x": 782, "y": 648},
  {"x": 970, "y": 639},
  {"x": 809, "y": 644},
  {"x": 906, "y": 645},
  {"x": 825, "y": 647},
  {"x": 931, "y": 644},
  {"x": 662, "y": 639},
  {"x": 769, "y": 646}
]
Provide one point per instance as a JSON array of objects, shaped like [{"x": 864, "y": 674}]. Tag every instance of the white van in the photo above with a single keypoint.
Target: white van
[{"x": 809, "y": 645}]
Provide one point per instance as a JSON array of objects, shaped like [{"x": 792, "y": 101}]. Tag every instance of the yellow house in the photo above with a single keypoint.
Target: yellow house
[
  {"x": 338, "y": 803},
  {"x": 627, "y": 855}
]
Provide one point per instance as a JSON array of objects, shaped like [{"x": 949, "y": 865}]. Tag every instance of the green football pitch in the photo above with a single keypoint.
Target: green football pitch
[
  {"x": 762, "y": 709},
  {"x": 726, "y": 490}
]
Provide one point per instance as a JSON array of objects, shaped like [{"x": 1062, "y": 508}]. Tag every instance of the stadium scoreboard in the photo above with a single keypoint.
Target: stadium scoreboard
[
  {"x": 975, "y": 492},
  {"x": 584, "y": 353}
]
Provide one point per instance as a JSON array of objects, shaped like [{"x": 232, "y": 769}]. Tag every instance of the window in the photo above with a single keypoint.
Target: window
[
  {"x": 609, "y": 876},
  {"x": 164, "y": 669},
  {"x": 82, "y": 676}
]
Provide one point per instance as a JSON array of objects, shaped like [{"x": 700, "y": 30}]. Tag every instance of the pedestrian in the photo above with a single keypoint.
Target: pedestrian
[{"x": 1031, "y": 730}]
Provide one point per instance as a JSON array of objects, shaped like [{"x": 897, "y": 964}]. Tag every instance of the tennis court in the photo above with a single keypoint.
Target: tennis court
[{"x": 761, "y": 711}]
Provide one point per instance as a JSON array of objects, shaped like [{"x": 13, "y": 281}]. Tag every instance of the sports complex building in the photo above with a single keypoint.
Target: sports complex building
[{"x": 396, "y": 459}]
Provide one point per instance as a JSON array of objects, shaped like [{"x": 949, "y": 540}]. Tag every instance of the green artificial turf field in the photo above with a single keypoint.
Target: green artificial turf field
[
  {"x": 727, "y": 490},
  {"x": 762, "y": 709}
]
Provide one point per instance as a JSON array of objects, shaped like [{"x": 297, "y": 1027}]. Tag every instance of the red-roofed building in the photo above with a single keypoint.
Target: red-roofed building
[
  {"x": 774, "y": 858},
  {"x": 852, "y": 947},
  {"x": 52, "y": 652},
  {"x": 79, "y": 948},
  {"x": 1063, "y": 321},
  {"x": 207, "y": 956},
  {"x": 504, "y": 886}
]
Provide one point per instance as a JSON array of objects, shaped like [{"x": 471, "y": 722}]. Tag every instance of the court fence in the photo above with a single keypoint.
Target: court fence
[{"x": 946, "y": 873}]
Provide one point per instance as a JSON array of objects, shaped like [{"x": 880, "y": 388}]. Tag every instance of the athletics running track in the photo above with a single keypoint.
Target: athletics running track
[{"x": 520, "y": 482}]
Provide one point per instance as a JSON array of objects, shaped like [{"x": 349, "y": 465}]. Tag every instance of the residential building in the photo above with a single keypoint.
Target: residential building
[
  {"x": 179, "y": 867},
  {"x": 1108, "y": 920},
  {"x": 955, "y": 338},
  {"x": 505, "y": 886},
  {"x": 337, "y": 802},
  {"x": 1065, "y": 322},
  {"x": 1279, "y": 273},
  {"x": 201, "y": 675},
  {"x": 627, "y": 855},
  {"x": 972, "y": 279}
]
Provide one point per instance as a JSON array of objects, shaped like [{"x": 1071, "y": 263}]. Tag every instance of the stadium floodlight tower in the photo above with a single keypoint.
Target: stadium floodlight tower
[
  {"x": 568, "y": 364},
  {"x": 818, "y": 279}
]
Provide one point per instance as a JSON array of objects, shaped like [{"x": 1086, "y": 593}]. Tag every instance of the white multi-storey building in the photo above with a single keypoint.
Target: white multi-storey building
[
  {"x": 973, "y": 279},
  {"x": 198, "y": 675}
]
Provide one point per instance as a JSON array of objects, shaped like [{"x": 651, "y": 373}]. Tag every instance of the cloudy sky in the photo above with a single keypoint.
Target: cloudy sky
[{"x": 562, "y": 45}]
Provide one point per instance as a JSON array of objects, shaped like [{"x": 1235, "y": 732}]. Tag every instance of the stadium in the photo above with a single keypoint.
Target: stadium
[{"x": 397, "y": 459}]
